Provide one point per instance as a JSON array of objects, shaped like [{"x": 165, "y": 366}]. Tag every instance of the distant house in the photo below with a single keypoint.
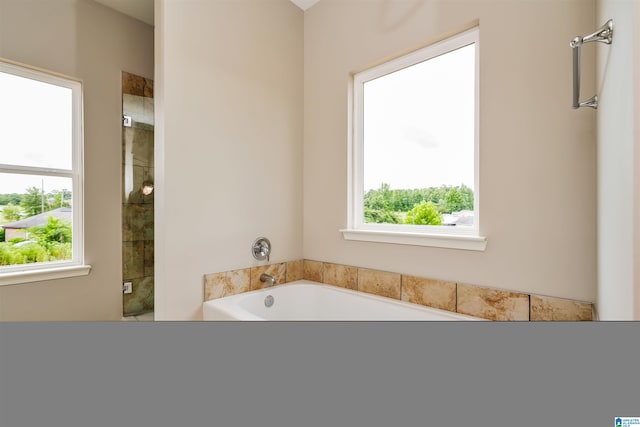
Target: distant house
[
  {"x": 18, "y": 229},
  {"x": 458, "y": 218}
]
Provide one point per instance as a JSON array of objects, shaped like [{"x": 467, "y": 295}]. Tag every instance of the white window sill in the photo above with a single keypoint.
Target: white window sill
[
  {"x": 449, "y": 241},
  {"x": 17, "y": 277}
]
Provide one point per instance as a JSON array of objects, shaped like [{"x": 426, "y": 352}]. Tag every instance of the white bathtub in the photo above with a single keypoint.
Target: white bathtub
[{"x": 306, "y": 300}]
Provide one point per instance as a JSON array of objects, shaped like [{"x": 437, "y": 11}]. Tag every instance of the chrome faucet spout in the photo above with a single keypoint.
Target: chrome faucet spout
[{"x": 267, "y": 278}]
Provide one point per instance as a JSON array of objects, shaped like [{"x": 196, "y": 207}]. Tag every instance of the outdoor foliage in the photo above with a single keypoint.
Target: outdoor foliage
[
  {"x": 380, "y": 216},
  {"x": 11, "y": 212},
  {"x": 33, "y": 201},
  {"x": 53, "y": 232},
  {"x": 28, "y": 253},
  {"x": 10, "y": 199},
  {"x": 49, "y": 242},
  {"x": 424, "y": 213},
  {"x": 388, "y": 206}
]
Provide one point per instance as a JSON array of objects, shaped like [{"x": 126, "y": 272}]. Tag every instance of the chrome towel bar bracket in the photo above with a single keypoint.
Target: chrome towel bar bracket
[{"x": 604, "y": 35}]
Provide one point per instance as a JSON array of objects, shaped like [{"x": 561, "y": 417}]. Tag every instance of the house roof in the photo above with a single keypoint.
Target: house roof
[{"x": 41, "y": 219}]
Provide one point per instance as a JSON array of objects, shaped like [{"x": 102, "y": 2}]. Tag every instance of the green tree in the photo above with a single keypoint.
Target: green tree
[
  {"x": 424, "y": 213},
  {"x": 13, "y": 199},
  {"x": 467, "y": 196},
  {"x": 54, "y": 231},
  {"x": 11, "y": 212},
  {"x": 374, "y": 200},
  {"x": 32, "y": 201},
  {"x": 379, "y": 205},
  {"x": 453, "y": 201},
  {"x": 58, "y": 199},
  {"x": 380, "y": 216}
]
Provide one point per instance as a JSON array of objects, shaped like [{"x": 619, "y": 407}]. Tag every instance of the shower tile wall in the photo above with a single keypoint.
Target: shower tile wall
[{"x": 137, "y": 209}]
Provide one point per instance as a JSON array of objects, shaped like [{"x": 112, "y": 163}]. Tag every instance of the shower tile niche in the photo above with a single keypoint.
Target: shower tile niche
[{"x": 137, "y": 193}]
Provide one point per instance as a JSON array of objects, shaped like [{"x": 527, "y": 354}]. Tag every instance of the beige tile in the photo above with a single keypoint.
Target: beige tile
[
  {"x": 313, "y": 270},
  {"x": 492, "y": 304},
  {"x": 341, "y": 275},
  {"x": 548, "y": 308},
  {"x": 380, "y": 283},
  {"x": 218, "y": 285},
  {"x": 433, "y": 293},
  {"x": 136, "y": 85},
  {"x": 295, "y": 270},
  {"x": 276, "y": 270}
]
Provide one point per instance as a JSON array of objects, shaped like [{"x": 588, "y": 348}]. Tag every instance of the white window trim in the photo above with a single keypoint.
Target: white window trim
[
  {"x": 43, "y": 273},
  {"x": 434, "y": 236},
  {"x": 24, "y": 273}
]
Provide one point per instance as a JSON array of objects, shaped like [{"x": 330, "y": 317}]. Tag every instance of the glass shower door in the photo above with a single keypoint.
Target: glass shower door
[{"x": 137, "y": 194}]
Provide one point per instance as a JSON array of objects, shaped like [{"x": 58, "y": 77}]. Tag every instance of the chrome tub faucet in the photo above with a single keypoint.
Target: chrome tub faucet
[{"x": 268, "y": 279}]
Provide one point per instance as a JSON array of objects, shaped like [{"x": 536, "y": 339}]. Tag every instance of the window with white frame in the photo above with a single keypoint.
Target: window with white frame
[
  {"x": 414, "y": 148},
  {"x": 41, "y": 176}
]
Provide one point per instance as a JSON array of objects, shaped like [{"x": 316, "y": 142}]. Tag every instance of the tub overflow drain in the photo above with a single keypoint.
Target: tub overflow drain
[{"x": 268, "y": 301}]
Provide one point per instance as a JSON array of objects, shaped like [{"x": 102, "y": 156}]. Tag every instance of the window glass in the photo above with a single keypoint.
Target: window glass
[
  {"x": 40, "y": 170},
  {"x": 415, "y": 140},
  {"x": 35, "y": 123}
]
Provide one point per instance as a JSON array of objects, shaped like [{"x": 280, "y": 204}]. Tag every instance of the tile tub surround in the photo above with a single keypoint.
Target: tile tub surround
[
  {"x": 340, "y": 275},
  {"x": 380, "y": 283},
  {"x": 493, "y": 304},
  {"x": 434, "y": 293},
  {"x": 480, "y": 301},
  {"x": 548, "y": 308},
  {"x": 226, "y": 283}
]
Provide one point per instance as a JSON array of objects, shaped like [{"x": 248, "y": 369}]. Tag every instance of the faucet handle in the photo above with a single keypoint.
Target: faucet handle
[{"x": 261, "y": 249}]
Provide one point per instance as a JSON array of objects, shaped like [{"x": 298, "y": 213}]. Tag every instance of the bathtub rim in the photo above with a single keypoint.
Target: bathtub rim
[{"x": 233, "y": 311}]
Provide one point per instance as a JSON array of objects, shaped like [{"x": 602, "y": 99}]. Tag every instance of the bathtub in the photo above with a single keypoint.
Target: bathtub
[{"x": 312, "y": 301}]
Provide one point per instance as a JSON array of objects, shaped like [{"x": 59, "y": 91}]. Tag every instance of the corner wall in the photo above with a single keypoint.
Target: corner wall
[
  {"x": 83, "y": 39},
  {"x": 229, "y": 92},
  {"x": 537, "y": 158},
  {"x": 636, "y": 157},
  {"x": 618, "y": 164}
]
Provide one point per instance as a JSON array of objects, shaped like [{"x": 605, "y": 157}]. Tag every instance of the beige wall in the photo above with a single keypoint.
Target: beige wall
[
  {"x": 231, "y": 161},
  {"x": 537, "y": 158},
  {"x": 618, "y": 163},
  {"x": 229, "y": 91},
  {"x": 636, "y": 156},
  {"x": 83, "y": 39}
]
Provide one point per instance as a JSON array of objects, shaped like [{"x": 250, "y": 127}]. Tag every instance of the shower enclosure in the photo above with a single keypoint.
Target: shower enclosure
[{"x": 137, "y": 194}]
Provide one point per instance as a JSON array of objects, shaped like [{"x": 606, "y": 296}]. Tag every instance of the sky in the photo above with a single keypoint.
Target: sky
[
  {"x": 419, "y": 124},
  {"x": 35, "y": 130}
]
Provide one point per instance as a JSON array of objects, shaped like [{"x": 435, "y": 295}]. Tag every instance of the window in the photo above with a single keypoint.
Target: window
[
  {"x": 40, "y": 175},
  {"x": 414, "y": 148}
]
